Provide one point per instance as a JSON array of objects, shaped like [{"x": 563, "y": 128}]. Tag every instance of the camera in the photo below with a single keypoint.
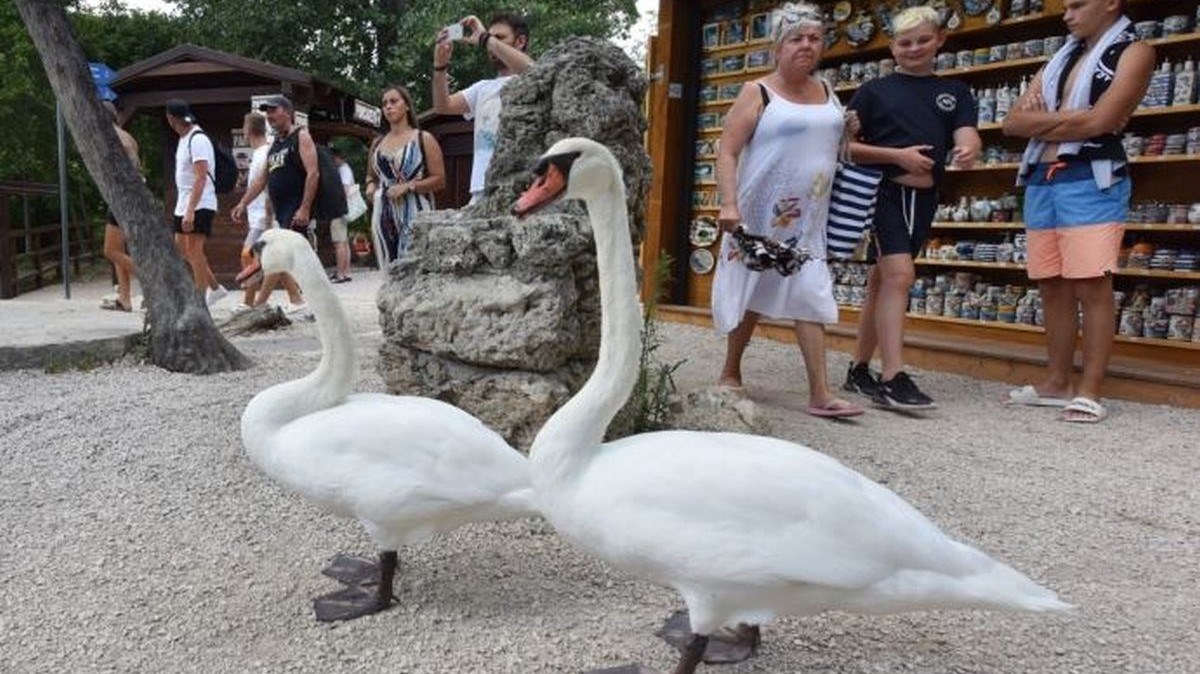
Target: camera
[{"x": 454, "y": 32}]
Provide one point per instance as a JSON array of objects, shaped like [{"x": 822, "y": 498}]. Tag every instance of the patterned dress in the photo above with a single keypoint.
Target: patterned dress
[
  {"x": 784, "y": 176},
  {"x": 392, "y": 220}
]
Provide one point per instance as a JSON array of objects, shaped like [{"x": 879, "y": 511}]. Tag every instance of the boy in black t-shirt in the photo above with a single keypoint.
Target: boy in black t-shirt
[{"x": 910, "y": 121}]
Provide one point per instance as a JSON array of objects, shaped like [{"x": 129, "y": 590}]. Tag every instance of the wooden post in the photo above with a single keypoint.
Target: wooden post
[{"x": 8, "y": 258}]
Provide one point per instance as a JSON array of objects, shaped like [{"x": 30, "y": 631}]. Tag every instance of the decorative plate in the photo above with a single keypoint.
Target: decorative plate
[
  {"x": 701, "y": 261},
  {"x": 842, "y": 11},
  {"x": 703, "y": 232},
  {"x": 994, "y": 15},
  {"x": 861, "y": 29}
]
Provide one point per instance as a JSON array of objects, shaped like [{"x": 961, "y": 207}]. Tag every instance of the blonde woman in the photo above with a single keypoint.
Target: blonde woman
[
  {"x": 404, "y": 170},
  {"x": 778, "y": 153},
  {"x": 911, "y": 120}
]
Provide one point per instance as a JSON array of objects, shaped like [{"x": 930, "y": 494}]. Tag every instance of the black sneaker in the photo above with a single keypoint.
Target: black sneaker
[
  {"x": 901, "y": 393},
  {"x": 860, "y": 379}
]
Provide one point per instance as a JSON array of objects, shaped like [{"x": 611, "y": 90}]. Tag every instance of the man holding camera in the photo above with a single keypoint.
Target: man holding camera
[{"x": 505, "y": 40}]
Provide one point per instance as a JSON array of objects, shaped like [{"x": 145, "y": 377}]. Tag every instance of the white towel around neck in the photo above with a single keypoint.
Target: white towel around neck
[{"x": 1078, "y": 98}]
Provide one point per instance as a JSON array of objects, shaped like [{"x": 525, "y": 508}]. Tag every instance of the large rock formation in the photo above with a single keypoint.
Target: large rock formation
[{"x": 501, "y": 316}]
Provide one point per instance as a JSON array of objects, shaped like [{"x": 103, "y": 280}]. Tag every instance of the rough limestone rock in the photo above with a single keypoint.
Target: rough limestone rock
[{"x": 501, "y": 316}]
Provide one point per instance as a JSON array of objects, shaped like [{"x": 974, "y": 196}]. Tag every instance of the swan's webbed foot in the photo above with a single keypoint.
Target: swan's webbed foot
[
  {"x": 724, "y": 647},
  {"x": 368, "y": 588}
]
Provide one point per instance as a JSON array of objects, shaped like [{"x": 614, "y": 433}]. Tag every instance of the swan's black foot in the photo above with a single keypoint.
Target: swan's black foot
[
  {"x": 349, "y": 603},
  {"x": 724, "y": 647},
  {"x": 368, "y": 587},
  {"x": 352, "y": 571},
  {"x": 634, "y": 668}
]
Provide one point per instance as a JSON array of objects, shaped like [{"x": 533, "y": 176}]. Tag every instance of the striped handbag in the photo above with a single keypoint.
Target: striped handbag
[{"x": 852, "y": 200}]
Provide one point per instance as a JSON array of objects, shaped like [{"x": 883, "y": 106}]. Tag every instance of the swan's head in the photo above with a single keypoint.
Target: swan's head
[
  {"x": 573, "y": 168},
  {"x": 277, "y": 250}
]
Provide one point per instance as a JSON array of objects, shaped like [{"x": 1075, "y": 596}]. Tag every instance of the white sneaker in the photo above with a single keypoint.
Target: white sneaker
[
  {"x": 290, "y": 309},
  {"x": 212, "y": 296},
  {"x": 241, "y": 308}
]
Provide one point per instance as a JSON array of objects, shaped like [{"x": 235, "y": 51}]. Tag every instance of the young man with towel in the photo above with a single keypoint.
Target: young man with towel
[{"x": 1077, "y": 191}]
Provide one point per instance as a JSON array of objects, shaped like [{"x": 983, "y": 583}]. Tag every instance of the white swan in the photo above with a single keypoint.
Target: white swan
[
  {"x": 744, "y": 527},
  {"x": 405, "y": 467}
]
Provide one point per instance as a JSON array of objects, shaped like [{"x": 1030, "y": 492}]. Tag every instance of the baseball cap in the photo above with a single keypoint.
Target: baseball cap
[
  {"x": 177, "y": 107},
  {"x": 276, "y": 102}
]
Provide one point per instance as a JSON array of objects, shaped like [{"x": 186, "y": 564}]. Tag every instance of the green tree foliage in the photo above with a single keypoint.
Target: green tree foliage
[
  {"x": 363, "y": 45},
  {"x": 360, "y": 45}
]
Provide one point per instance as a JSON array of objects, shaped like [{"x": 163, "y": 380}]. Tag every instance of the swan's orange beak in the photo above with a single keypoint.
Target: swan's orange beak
[
  {"x": 251, "y": 269},
  {"x": 548, "y": 186}
]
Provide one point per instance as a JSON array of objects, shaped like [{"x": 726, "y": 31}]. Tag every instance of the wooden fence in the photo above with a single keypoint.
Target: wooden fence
[{"x": 31, "y": 252}]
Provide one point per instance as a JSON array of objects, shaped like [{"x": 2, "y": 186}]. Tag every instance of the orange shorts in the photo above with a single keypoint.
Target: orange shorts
[{"x": 1086, "y": 251}]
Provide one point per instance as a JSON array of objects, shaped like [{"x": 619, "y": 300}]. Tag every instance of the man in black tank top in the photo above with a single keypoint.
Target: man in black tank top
[
  {"x": 1077, "y": 193},
  {"x": 292, "y": 172}
]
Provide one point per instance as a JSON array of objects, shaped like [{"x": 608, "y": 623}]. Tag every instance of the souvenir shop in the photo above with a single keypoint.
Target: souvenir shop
[{"x": 973, "y": 309}]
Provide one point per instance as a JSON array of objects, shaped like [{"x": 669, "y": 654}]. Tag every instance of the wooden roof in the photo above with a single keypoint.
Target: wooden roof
[{"x": 203, "y": 76}]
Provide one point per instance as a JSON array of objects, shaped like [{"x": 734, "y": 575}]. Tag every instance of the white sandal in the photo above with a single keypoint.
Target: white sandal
[{"x": 1083, "y": 410}]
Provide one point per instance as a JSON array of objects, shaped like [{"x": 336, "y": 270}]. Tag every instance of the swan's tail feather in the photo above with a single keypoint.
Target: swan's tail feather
[{"x": 997, "y": 587}]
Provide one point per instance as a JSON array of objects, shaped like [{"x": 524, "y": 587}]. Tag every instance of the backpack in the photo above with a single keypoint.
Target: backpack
[
  {"x": 225, "y": 172},
  {"x": 330, "y": 201}
]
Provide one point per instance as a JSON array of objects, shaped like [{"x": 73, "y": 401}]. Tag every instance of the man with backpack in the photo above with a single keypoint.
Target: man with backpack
[{"x": 196, "y": 196}]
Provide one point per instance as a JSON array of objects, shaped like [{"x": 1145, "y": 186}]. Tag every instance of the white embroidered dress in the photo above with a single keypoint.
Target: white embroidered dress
[{"x": 784, "y": 176}]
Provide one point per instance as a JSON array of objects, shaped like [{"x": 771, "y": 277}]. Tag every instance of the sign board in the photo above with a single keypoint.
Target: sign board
[{"x": 368, "y": 114}]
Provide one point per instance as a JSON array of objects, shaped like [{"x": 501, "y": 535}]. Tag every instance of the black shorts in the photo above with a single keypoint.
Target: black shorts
[
  {"x": 202, "y": 224},
  {"x": 903, "y": 216}
]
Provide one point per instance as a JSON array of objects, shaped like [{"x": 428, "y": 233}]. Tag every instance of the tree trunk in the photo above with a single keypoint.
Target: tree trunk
[{"x": 182, "y": 335}]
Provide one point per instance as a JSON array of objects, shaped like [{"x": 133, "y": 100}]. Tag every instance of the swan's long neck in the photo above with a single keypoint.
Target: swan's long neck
[
  {"x": 571, "y": 437},
  {"x": 324, "y": 387}
]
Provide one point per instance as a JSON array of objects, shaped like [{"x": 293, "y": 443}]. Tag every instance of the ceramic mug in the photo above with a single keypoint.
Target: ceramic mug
[
  {"x": 1052, "y": 44},
  {"x": 1193, "y": 216},
  {"x": 964, "y": 59},
  {"x": 1175, "y": 24}
]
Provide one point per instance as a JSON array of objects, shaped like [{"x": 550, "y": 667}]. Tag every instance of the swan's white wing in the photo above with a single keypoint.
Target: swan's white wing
[
  {"x": 721, "y": 507},
  {"x": 386, "y": 459}
]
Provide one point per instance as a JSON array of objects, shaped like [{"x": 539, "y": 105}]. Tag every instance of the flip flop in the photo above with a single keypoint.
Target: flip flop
[
  {"x": 1028, "y": 395},
  {"x": 834, "y": 409},
  {"x": 1083, "y": 410}
]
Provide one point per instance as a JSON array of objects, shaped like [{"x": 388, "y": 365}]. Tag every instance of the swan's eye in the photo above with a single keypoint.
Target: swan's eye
[{"x": 257, "y": 248}]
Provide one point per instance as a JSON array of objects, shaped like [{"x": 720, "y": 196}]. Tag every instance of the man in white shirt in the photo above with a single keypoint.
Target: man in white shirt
[
  {"x": 505, "y": 41},
  {"x": 196, "y": 197},
  {"x": 339, "y": 231}
]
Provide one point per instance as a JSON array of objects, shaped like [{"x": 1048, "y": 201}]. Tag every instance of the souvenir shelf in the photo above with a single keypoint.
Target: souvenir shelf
[{"x": 990, "y": 54}]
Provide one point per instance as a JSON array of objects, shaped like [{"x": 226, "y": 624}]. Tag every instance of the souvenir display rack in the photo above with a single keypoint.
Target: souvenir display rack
[{"x": 996, "y": 46}]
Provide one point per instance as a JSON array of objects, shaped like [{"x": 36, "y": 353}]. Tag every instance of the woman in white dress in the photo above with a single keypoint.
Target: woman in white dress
[{"x": 778, "y": 153}]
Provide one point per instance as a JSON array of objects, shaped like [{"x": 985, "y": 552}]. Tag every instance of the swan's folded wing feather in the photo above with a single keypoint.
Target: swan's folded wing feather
[{"x": 740, "y": 506}]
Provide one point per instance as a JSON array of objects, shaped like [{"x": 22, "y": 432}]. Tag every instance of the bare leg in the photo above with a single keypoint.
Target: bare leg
[
  {"x": 1096, "y": 297},
  {"x": 896, "y": 276},
  {"x": 342, "y": 253},
  {"x": 194, "y": 255},
  {"x": 251, "y": 287},
  {"x": 735, "y": 346},
  {"x": 868, "y": 338},
  {"x": 293, "y": 290},
  {"x": 114, "y": 250},
  {"x": 811, "y": 338},
  {"x": 1058, "y": 304}
]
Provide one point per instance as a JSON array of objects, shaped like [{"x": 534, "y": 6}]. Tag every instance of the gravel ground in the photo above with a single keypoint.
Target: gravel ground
[{"x": 138, "y": 538}]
